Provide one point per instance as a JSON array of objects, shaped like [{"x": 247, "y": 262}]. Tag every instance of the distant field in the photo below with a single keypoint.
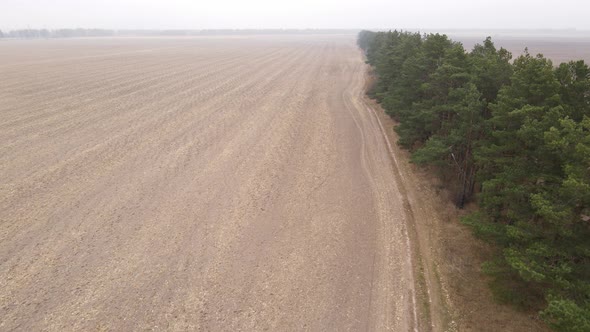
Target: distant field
[{"x": 558, "y": 48}]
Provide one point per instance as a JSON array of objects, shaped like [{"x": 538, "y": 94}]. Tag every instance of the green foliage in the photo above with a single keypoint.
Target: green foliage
[
  {"x": 566, "y": 315},
  {"x": 520, "y": 133}
]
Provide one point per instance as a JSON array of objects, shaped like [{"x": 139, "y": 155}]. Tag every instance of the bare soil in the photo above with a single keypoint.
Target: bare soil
[{"x": 235, "y": 183}]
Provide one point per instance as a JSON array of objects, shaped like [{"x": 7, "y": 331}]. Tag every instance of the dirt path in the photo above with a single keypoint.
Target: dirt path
[{"x": 204, "y": 184}]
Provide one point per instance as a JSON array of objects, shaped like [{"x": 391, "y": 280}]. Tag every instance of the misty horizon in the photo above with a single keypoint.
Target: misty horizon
[{"x": 304, "y": 14}]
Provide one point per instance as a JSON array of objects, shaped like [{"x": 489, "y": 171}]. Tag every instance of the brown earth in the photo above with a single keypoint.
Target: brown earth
[{"x": 235, "y": 183}]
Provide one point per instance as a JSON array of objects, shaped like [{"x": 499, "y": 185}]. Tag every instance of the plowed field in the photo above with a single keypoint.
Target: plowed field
[{"x": 215, "y": 183}]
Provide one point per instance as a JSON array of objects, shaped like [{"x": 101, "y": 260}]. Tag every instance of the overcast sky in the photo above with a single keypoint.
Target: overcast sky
[{"x": 212, "y": 14}]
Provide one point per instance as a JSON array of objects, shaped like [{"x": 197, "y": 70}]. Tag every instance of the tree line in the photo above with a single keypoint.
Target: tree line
[
  {"x": 70, "y": 33},
  {"x": 512, "y": 136},
  {"x": 58, "y": 33}
]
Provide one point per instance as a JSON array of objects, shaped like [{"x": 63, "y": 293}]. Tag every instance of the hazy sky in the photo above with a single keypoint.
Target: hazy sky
[{"x": 197, "y": 14}]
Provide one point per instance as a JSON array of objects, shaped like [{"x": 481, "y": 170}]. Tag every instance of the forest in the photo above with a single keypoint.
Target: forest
[{"x": 510, "y": 138}]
